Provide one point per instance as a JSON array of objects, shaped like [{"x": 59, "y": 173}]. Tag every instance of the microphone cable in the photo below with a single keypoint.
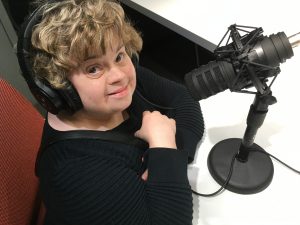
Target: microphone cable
[{"x": 223, "y": 187}]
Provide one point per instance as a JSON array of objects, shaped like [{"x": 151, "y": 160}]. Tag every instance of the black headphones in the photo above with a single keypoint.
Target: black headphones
[{"x": 53, "y": 100}]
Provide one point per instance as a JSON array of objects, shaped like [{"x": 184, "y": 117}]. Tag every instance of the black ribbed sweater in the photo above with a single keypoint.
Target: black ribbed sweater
[{"x": 95, "y": 182}]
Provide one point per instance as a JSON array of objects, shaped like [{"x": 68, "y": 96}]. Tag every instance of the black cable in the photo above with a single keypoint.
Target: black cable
[
  {"x": 223, "y": 187},
  {"x": 283, "y": 163},
  {"x": 153, "y": 104}
]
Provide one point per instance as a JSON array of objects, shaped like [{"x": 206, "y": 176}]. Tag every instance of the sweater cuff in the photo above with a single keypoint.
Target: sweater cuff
[{"x": 167, "y": 165}]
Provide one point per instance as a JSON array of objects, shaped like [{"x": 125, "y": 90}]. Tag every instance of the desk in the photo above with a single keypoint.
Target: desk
[{"x": 205, "y": 22}]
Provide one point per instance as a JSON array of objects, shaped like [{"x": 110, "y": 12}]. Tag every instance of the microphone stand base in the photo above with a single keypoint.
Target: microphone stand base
[{"x": 248, "y": 177}]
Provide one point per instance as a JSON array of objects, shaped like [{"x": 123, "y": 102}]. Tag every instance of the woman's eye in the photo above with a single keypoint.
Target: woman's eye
[
  {"x": 120, "y": 57},
  {"x": 94, "y": 70}
]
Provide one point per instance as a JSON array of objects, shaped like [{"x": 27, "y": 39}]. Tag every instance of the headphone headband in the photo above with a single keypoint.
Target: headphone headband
[{"x": 53, "y": 100}]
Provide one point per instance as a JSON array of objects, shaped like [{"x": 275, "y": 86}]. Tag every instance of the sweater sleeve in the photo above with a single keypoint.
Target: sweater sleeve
[
  {"x": 168, "y": 191},
  {"x": 185, "y": 110}
]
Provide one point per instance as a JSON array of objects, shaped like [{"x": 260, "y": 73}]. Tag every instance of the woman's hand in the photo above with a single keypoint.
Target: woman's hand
[{"x": 158, "y": 130}]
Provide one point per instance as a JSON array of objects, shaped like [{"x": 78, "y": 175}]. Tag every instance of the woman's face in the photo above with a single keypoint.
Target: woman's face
[{"x": 105, "y": 84}]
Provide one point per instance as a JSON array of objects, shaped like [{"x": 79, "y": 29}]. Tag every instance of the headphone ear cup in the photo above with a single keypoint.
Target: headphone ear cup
[
  {"x": 56, "y": 100},
  {"x": 46, "y": 96},
  {"x": 135, "y": 60},
  {"x": 71, "y": 97}
]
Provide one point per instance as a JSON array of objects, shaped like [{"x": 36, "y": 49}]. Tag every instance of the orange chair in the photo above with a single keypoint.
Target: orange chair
[{"x": 20, "y": 134}]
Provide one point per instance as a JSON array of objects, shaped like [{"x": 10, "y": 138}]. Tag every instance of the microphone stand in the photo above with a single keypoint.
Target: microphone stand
[
  {"x": 253, "y": 171},
  {"x": 254, "y": 58}
]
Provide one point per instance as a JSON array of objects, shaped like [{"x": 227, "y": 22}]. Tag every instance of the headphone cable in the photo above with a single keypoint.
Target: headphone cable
[{"x": 153, "y": 104}]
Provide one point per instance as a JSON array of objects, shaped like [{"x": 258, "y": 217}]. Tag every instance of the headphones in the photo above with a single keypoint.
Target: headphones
[{"x": 53, "y": 100}]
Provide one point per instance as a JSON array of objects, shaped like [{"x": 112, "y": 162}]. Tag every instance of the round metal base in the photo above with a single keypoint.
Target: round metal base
[{"x": 248, "y": 177}]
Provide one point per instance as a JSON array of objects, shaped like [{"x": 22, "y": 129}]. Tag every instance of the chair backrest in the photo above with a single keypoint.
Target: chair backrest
[{"x": 20, "y": 134}]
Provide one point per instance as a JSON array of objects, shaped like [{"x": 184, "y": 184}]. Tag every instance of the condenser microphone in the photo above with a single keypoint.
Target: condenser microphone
[{"x": 246, "y": 62}]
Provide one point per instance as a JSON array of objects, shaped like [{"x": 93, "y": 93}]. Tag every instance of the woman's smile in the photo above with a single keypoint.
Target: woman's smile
[{"x": 119, "y": 93}]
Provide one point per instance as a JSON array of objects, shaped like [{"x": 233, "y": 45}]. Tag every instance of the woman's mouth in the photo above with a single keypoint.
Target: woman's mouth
[{"x": 119, "y": 93}]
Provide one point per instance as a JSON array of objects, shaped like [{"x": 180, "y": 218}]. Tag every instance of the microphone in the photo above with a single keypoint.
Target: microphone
[
  {"x": 230, "y": 70},
  {"x": 249, "y": 60}
]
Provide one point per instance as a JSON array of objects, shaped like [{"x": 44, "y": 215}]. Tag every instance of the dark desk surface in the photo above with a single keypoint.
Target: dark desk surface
[{"x": 152, "y": 11}]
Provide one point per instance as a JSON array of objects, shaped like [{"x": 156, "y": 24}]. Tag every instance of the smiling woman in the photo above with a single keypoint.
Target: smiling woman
[{"x": 86, "y": 48}]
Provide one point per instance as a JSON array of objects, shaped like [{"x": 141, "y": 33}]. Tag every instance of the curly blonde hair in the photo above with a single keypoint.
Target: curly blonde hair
[{"x": 73, "y": 30}]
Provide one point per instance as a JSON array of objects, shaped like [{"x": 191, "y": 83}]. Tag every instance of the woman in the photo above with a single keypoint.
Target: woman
[{"x": 88, "y": 46}]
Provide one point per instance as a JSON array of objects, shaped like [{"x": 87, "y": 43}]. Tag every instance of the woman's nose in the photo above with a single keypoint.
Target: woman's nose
[{"x": 115, "y": 75}]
